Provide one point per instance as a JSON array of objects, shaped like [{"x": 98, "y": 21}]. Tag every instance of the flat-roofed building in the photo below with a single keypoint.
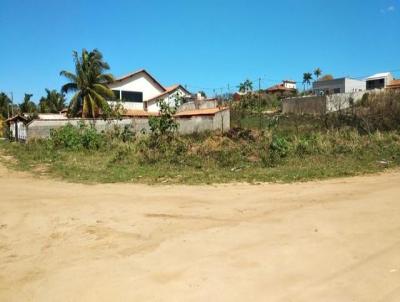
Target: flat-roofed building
[{"x": 340, "y": 85}]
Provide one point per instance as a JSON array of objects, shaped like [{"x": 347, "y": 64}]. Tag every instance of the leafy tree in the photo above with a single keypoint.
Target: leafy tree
[
  {"x": 317, "y": 73},
  {"x": 246, "y": 86},
  {"x": 53, "y": 102},
  {"x": 326, "y": 77},
  {"x": 5, "y": 104},
  {"x": 307, "y": 78},
  {"x": 165, "y": 123},
  {"x": 89, "y": 83},
  {"x": 27, "y": 106}
]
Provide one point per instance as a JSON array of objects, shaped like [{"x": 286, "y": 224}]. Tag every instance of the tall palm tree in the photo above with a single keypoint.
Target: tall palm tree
[
  {"x": 307, "y": 78},
  {"x": 246, "y": 86},
  {"x": 89, "y": 84},
  {"x": 317, "y": 73},
  {"x": 27, "y": 106},
  {"x": 53, "y": 102}
]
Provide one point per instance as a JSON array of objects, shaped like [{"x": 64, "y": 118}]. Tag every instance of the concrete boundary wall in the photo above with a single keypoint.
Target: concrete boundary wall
[
  {"x": 219, "y": 121},
  {"x": 321, "y": 104}
]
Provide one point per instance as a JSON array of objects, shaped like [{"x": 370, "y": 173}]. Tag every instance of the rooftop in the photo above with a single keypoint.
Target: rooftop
[{"x": 379, "y": 75}]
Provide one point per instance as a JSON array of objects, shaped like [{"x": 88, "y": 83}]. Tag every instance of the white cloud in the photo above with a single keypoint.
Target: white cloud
[{"x": 388, "y": 9}]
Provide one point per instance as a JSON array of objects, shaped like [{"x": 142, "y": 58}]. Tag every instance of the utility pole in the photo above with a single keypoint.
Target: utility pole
[
  {"x": 259, "y": 101},
  {"x": 12, "y": 104}
]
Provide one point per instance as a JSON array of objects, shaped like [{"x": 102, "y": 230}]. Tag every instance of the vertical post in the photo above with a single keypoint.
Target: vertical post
[
  {"x": 16, "y": 131},
  {"x": 259, "y": 103},
  {"x": 12, "y": 104}
]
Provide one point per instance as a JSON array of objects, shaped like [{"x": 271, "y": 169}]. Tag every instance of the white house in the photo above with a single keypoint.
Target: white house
[
  {"x": 140, "y": 91},
  {"x": 290, "y": 84},
  {"x": 379, "y": 80}
]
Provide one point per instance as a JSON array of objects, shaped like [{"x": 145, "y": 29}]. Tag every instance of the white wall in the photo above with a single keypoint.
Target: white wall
[
  {"x": 140, "y": 82},
  {"x": 289, "y": 85},
  {"x": 129, "y": 105},
  {"x": 152, "y": 106},
  {"x": 353, "y": 85}
]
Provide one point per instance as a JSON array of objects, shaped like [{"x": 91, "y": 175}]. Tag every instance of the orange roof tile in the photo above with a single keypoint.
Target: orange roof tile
[
  {"x": 139, "y": 113},
  {"x": 209, "y": 111},
  {"x": 395, "y": 84}
]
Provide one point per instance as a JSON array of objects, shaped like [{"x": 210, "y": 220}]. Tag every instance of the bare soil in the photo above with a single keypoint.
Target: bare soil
[{"x": 336, "y": 240}]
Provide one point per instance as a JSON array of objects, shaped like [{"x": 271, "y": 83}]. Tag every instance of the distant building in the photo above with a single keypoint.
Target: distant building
[
  {"x": 379, "y": 80},
  {"x": 286, "y": 87},
  {"x": 394, "y": 85},
  {"x": 341, "y": 85}
]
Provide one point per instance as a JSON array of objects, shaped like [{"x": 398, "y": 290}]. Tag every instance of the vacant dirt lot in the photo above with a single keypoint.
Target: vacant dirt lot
[{"x": 335, "y": 240}]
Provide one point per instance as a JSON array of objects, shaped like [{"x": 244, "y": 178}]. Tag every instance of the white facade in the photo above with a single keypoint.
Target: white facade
[
  {"x": 289, "y": 84},
  {"x": 379, "y": 80},
  {"x": 169, "y": 98},
  {"x": 151, "y": 90}
]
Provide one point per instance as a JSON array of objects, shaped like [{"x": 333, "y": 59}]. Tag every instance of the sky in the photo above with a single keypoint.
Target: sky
[{"x": 209, "y": 45}]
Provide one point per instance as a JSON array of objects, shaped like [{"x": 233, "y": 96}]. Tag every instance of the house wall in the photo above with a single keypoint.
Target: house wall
[
  {"x": 21, "y": 130},
  {"x": 329, "y": 85},
  {"x": 387, "y": 80},
  {"x": 130, "y": 105},
  {"x": 42, "y": 128},
  {"x": 290, "y": 85},
  {"x": 353, "y": 85},
  {"x": 345, "y": 85},
  {"x": 198, "y": 104},
  {"x": 152, "y": 106},
  {"x": 140, "y": 82}
]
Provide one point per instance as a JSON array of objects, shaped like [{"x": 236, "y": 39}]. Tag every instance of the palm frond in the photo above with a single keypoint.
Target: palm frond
[{"x": 103, "y": 90}]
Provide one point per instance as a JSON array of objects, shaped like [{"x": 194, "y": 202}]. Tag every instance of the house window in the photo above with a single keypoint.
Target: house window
[
  {"x": 132, "y": 96},
  {"x": 336, "y": 90}
]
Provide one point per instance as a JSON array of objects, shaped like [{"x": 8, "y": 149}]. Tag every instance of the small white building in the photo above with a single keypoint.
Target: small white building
[
  {"x": 290, "y": 84},
  {"x": 379, "y": 80},
  {"x": 140, "y": 91}
]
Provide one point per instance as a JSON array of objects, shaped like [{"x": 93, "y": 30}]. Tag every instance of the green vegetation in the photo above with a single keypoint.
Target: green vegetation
[
  {"x": 83, "y": 155},
  {"x": 89, "y": 83},
  {"x": 53, "y": 102}
]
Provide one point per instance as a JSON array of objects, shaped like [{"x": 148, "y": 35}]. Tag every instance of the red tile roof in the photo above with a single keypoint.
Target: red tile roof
[
  {"x": 197, "y": 112},
  {"x": 139, "y": 113},
  {"x": 279, "y": 87},
  {"x": 395, "y": 84}
]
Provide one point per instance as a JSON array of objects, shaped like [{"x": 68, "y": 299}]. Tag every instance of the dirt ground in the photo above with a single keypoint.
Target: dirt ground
[{"x": 330, "y": 241}]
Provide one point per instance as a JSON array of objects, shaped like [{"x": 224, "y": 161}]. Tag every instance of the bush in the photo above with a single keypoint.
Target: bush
[
  {"x": 75, "y": 138},
  {"x": 278, "y": 149},
  {"x": 165, "y": 123}
]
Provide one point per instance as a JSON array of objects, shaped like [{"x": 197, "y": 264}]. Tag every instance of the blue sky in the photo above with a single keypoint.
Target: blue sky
[{"x": 205, "y": 44}]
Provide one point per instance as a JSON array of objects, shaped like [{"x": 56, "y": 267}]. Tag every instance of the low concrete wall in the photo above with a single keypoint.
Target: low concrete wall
[
  {"x": 340, "y": 101},
  {"x": 192, "y": 124},
  {"x": 42, "y": 128},
  {"x": 321, "y": 104},
  {"x": 304, "y": 105},
  {"x": 221, "y": 121}
]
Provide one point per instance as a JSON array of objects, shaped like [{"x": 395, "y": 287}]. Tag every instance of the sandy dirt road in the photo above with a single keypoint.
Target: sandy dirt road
[{"x": 337, "y": 240}]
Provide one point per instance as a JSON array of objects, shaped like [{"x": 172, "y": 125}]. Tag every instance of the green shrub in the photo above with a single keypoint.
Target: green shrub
[
  {"x": 277, "y": 150},
  {"x": 75, "y": 138}
]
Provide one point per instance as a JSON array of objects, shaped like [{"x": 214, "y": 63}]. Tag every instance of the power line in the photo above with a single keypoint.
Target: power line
[{"x": 263, "y": 79}]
